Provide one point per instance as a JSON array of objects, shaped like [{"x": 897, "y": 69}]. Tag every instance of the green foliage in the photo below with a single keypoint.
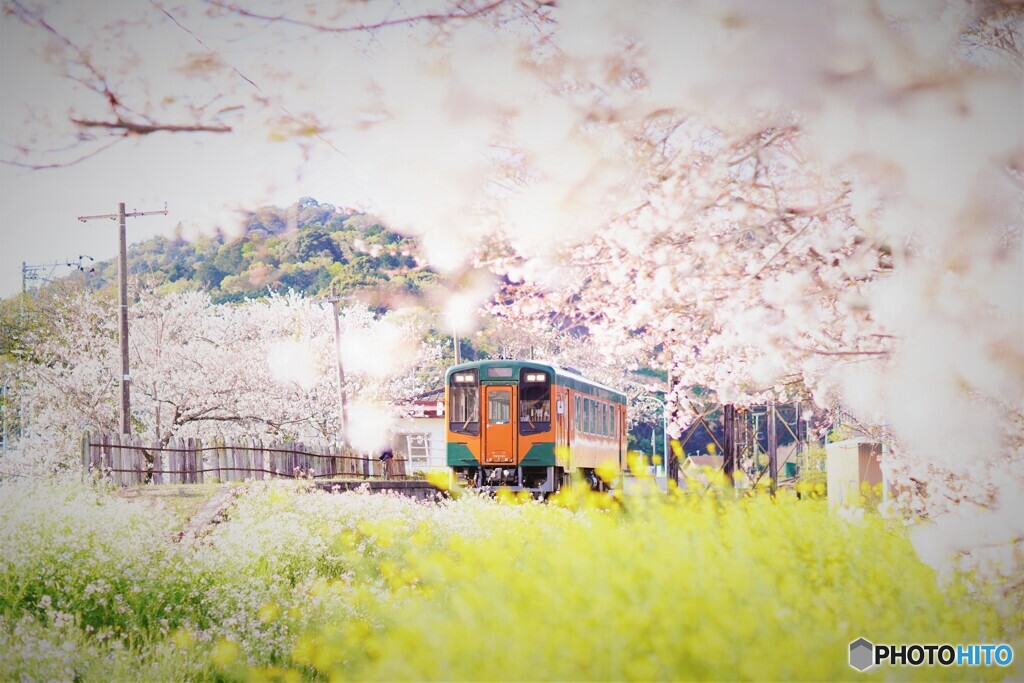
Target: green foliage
[
  {"x": 813, "y": 457},
  {"x": 309, "y": 247},
  {"x": 353, "y": 586},
  {"x": 315, "y": 241},
  {"x": 812, "y": 468},
  {"x": 840, "y": 433}
]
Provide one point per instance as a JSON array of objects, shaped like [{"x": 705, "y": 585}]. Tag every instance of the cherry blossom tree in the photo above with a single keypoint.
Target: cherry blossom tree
[
  {"x": 765, "y": 197},
  {"x": 261, "y": 368}
]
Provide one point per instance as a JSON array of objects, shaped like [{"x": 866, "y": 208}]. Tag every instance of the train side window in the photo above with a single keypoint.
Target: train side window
[
  {"x": 464, "y": 412},
  {"x": 577, "y": 410},
  {"x": 534, "y": 401}
]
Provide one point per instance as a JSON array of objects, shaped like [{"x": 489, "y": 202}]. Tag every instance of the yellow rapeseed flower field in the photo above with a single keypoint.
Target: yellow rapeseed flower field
[{"x": 298, "y": 584}]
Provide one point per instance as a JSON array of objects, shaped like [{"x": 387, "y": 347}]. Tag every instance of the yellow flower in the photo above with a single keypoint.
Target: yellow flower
[
  {"x": 225, "y": 653},
  {"x": 637, "y": 465},
  {"x": 183, "y": 638},
  {"x": 304, "y": 650},
  {"x": 440, "y": 479},
  {"x": 505, "y": 495},
  {"x": 608, "y": 471},
  {"x": 269, "y": 612}
]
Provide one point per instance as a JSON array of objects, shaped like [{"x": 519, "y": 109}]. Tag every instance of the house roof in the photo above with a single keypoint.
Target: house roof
[
  {"x": 425, "y": 405},
  {"x": 434, "y": 395}
]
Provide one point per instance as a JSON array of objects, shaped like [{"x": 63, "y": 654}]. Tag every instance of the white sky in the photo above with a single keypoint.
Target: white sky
[{"x": 202, "y": 177}]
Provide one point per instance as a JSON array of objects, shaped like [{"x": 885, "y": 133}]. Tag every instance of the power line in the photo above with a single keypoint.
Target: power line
[{"x": 45, "y": 272}]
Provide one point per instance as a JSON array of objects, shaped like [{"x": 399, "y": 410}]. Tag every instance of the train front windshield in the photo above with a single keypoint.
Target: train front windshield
[{"x": 464, "y": 413}]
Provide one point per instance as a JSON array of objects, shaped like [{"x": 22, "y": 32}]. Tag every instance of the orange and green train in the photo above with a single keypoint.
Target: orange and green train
[{"x": 528, "y": 426}]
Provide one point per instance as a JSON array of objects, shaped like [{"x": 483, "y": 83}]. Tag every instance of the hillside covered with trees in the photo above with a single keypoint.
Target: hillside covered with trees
[{"x": 308, "y": 247}]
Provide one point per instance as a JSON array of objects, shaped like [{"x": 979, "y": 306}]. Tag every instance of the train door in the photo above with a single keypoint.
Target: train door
[
  {"x": 499, "y": 433},
  {"x": 620, "y": 427},
  {"x": 562, "y": 427}
]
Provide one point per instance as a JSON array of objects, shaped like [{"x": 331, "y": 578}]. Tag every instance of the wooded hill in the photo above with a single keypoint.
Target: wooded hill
[{"x": 309, "y": 247}]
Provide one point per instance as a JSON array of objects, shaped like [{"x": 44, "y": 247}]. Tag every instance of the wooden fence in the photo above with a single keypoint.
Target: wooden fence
[{"x": 126, "y": 460}]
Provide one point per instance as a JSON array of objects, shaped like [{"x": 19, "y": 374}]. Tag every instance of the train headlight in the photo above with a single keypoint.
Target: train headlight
[
  {"x": 536, "y": 377},
  {"x": 464, "y": 378}
]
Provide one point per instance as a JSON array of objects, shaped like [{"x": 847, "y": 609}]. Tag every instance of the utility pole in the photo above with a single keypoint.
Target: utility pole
[
  {"x": 664, "y": 436},
  {"x": 729, "y": 427},
  {"x": 122, "y": 287},
  {"x": 800, "y": 444},
  {"x": 671, "y": 459},
  {"x": 342, "y": 392},
  {"x": 773, "y": 460},
  {"x": 42, "y": 272},
  {"x": 6, "y": 395}
]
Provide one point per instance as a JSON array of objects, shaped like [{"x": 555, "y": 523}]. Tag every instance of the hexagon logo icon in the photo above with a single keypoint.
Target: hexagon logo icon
[{"x": 862, "y": 654}]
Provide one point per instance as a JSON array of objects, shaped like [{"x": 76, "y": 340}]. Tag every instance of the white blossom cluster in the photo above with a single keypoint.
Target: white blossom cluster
[{"x": 262, "y": 368}]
